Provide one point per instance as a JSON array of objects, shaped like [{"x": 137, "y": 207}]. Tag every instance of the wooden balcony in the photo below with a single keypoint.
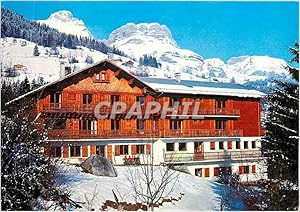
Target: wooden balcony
[
  {"x": 104, "y": 134},
  {"x": 176, "y": 157},
  {"x": 89, "y": 109}
]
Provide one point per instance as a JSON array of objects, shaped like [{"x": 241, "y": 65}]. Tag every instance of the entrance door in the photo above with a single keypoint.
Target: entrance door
[
  {"x": 100, "y": 150},
  {"x": 198, "y": 151}
]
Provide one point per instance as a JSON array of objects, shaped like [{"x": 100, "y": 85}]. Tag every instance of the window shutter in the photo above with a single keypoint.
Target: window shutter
[
  {"x": 148, "y": 148},
  {"x": 133, "y": 149},
  {"x": 206, "y": 170},
  {"x": 229, "y": 145},
  {"x": 241, "y": 170},
  {"x": 212, "y": 145},
  {"x": 216, "y": 171},
  {"x": 66, "y": 152},
  {"x": 117, "y": 150},
  {"x": 109, "y": 151},
  {"x": 253, "y": 169},
  {"x": 84, "y": 151}
]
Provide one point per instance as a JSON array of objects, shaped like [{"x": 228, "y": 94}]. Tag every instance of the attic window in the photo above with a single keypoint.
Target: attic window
[{"x": 101, "y": 77}]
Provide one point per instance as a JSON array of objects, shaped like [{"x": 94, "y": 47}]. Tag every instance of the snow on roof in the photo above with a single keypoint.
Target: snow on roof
[
  {"x": 200, "y": 87},
  {"x": 170, "y": 86}
]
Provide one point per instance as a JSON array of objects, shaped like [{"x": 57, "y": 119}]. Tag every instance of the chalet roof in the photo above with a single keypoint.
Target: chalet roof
[
  {"x": 162, "y": 85},
  {"x": 200, "y": 87}
]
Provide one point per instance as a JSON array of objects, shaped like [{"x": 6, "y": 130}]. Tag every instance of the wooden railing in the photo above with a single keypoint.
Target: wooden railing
[
  {"x": 172, "y": 157},
  {"x": 89, "y": 108},
  {"x": 77, "y": 134}
]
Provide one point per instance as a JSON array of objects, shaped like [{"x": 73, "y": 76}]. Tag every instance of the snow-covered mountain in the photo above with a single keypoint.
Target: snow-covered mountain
[
  {"x": 64, "y": 21},
  {"x": 154, "y": 39}
]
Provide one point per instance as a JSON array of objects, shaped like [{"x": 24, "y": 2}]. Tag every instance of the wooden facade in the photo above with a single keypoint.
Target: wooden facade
[{"x": 67, "y": 110}]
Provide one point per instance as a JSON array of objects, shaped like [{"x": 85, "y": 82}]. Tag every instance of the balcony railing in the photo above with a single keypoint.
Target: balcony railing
[
  {"x": 89, "y": 108},
  {"x": 78, "y": 134},
  {"x": 172, "y": 157}
]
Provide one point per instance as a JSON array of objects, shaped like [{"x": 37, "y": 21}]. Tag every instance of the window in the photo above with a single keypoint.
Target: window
[
  {"x": 212, "y": 145},
  {"x": 55, "y": 100},
  {"x": 206, "y": 172},
  {"x": 103, "y": 76},
  {"x": 221, "y": 145},
  {"x": 100, "y": 150},
  {"x": 55, "y": 152},
  {"x": 175, "y": 124},
  {"x": 97, "y": 76},
  {"x": 237, "y": 144},
  {"x": 253, "y": 169},
  {"x": 225, "y": 171},
  {"x": 244, "y": 169},
  {"x": 140, "y": 149},
  {"x": 59, "y": 124},
  {"x": 182, "y": 146},
  {"x": 75, "y": 151},
  {"x": 140, "y": 124},
  {"x": 220, "y": 103},
  {"x": 87, "y": 99},
  {"x": 198, "y": 172},
  {"x": 85, "y": 124},
  {"x": 123, "y": 149},
  {"x": 229, "y": 144},
  {"x": 114, "y": 98},
  {"x": 114, "y": 124},
  {"x": 245, "y": 144},
  {"x": 253, "y": 144},
  {"x": 221, "y": 124},
  {"x": 170, "y": 147},
  {"x": 140, "y": 99}
]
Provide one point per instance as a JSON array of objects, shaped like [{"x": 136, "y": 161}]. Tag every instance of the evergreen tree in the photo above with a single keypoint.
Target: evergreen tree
[
  {"x": 280, "y": 144},
  {"x": 36, "y": 51}
]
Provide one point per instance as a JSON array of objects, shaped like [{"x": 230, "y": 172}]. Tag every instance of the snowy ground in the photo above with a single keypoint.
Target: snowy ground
[{"x": 199, "y": 194}]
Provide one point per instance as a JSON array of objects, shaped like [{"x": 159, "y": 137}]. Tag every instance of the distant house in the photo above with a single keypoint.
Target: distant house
[
  {"x": 20, "y": 67},
  {"x": 129, "y": 63}
]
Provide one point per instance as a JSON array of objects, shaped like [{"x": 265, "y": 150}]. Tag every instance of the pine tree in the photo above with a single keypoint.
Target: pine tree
[
  {"x": 36, "y": 51},
  {"x": 280, "y": 144}
]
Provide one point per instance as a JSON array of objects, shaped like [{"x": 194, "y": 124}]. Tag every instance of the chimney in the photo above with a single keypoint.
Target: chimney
[
  {"x": 177, "y": 76},
  {"x": 62, "y": 71}
]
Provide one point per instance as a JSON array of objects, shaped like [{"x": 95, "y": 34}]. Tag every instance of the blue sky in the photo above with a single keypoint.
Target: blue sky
[{"x": 212, "y": 29}]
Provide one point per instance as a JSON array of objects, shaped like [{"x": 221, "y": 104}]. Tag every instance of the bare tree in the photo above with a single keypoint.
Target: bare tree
[{"x": 152, "y": 183}]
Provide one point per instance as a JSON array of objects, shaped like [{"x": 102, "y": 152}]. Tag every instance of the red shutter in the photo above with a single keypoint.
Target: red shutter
[
  {"x": 109, "y": 151},
  {"x": 84, "y": 151},
  {"x": 212, "y": 145},
  {"x": 148, "y": 148},
  {"x": 229, "y": 145},
  {"x": 66, "y": 152},
  {"x": 206, "y": 172},
  {"x": 93, "y": 150},
  {"x": 216, "y": 171},
  {"x": 241, "y": 170},
  {"x": 117, "y": 150},
  {"x": 133, "y": 149},
  {"x": 253, "y": 169}
]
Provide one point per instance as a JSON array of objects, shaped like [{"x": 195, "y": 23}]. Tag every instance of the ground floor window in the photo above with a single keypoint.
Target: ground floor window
[
  {"x": 198, "y": 172},
  {"x": 123, "y": 149},
  {"x": 55, "y": 152},
  {"x": 75, "y": 151},
  {"x": 170, "y": 147},
  {"x": 182, "y": 146},
  {"x": 100, "y": 150},
  {"x": 244, "y": 169},
  {"x": 140, "y": 149}
]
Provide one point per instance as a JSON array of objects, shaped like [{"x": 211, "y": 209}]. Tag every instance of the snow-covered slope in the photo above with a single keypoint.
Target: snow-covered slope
[
  {"x": 64, "y": 21},
  {"x": 20, "y": 52},
  {"x": 198, "y": 194}
]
